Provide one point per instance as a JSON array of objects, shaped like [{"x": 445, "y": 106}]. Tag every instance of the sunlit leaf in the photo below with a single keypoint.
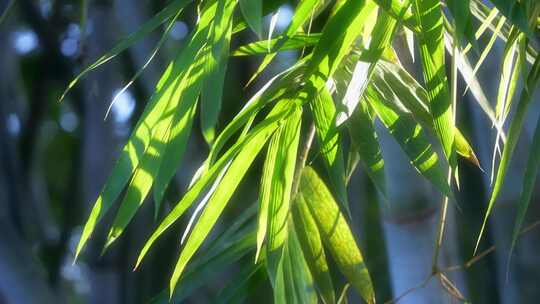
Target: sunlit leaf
[
  {"x": 513, "y": 135},
  {"x": 431, "y": 40},
  {"x": 311, "y": 243},
  {"x": 336, "y": 233},
  {"x": 216, "y": 67},
  {"x": 275, "y": 193},
  {"x": 411, "y": 137}
]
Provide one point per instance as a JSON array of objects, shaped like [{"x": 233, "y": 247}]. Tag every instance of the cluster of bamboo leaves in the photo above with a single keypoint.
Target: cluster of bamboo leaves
[{"x": 347, "y": 77}]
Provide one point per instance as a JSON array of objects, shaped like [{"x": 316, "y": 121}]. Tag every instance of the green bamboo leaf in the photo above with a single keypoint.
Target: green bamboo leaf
[
  {"x": 262, "y": 131},
  {"x": 512, "y": 64},
  {"x": 203, "y": 270},
  {"x": 411, "y": 137},
  {"x": 262, "y": 47},
  {"x": 487, "y": 48},
  {"x": 312, "y": 248},
  {"x": 529, "y": 180},
  {"x": 515, "y": 11},
  {"x": 324, "y": 114},
  {"x": 431, "y": 40},
  {"x": 141, "y": 147},
  {"x": 461, "y": 12},
  {"x": 274, "y": 89},
  {"x": 336, "y": 233},
  {"x": 477, "y": 90},
  {"x": 143, "y": 176},
  {"x": 304, "y": 285},
  {"x": 301, "y": 15},
  {"x": 165, "y": 14},
  {"x": 275, "y": 193},
  {"x": 216, "y": 205},
  {"x": 513, "y": 135},
  {"x": 253, "y": 12},
  {"x": 293, "y": 283},
  {"x": 216, "y": 67},
  {"x": 238, "y": 289},
  {"x": 338, "y": 35},
  {"x": 411, "y": 96},
  {"x": 395, "y": 9},
  {"x": 364, "y": 137}
]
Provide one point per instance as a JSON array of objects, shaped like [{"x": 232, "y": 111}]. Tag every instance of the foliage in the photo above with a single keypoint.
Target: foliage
[{"x": 348, "y": 76}]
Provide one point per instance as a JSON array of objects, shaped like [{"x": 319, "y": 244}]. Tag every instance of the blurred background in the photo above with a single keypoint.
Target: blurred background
[{"x": 55, "y": 157}]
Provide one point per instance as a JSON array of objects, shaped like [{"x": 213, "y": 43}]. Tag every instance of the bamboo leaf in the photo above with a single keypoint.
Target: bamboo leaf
[
  {"x": 324, "y": 113},
  {"x": 297, "y": 41},
  {"x": 275, "y": 193},
  {"x": 411, "y": 137},
  {"x": 304, "y": 285},
  {"x": 513, "y": 135},
  {"x": 216, "y": 67},
  {"x": 204, "y": 269},
  {"x": 529, "y": 180},
  {"x": 336, "y": 233},
  {"x": 461, "y": 12},
  {"x": 168, "y": 12},
  {"x": 365, "y": 139},
  {"x": 258, "y": 134},
  {"x": 252, "y": 12},
  {"x": 216, "y": 204},
  {"x": 301, "y": 14},
  {"x": 312, "y": 248},
  {"x": 412, "y": 97},
  {"x": 431, "y": 40}
]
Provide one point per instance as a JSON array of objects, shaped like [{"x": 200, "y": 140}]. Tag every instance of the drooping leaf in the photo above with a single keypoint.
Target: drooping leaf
[
  {"x": 259, "y": 134},
  {"x": 336, "y": 233},
  {"x": 276, "y": 186},
  {"x": 462, "y": 21},
  {"x": 216, "y": 205},
  {"x": 411, "y": 137},
  {"x": 312, "y": 248},
  {"x": 513, "y": 135},
  {"x": 365, "y": 139},
  {"x": 411, "y": 96},
  {"x": 324, "y": 114},
  {"x": 252, "y": 12},
  {"x": 216, "y": 67},
  {"x": 431, "y": 40},
  {"x": 204, "y": 268},
  {"x": 168, "y": 12},
  {"x": 529, "y": 180}
]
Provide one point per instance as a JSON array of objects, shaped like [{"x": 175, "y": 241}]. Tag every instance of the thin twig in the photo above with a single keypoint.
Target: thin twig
[
  {"x": 466, "y": 265},
  {"x": 410, "y": 290},
  {"x": 300, "y": 164}
]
